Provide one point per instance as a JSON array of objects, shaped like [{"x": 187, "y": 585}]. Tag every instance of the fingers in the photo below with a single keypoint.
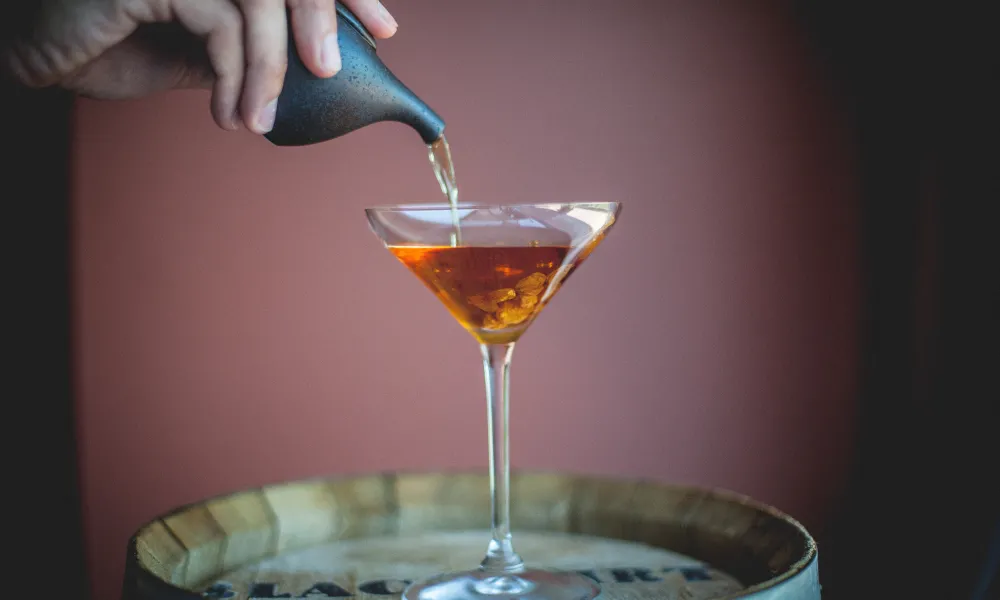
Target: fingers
[
  {"x": 314, "y": 24},
  {"x": 220, "y": 23},
  {"x": 248, "y": 52},
  {"x": 266, "y": 37},
  {"x": 374, "y": 16}
]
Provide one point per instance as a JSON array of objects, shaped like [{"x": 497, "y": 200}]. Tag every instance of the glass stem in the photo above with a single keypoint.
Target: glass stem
[{"x": 500, "y": 556}]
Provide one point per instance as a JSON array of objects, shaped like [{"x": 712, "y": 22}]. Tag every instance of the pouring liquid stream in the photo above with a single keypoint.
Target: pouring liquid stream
[{"x": 444, "y": 169}]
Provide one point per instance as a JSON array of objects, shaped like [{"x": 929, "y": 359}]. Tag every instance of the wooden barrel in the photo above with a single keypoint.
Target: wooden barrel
[{"x": 368, "y": 536}]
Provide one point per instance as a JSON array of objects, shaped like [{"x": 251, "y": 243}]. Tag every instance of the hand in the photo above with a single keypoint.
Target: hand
[{"x": 132, "y": 48}]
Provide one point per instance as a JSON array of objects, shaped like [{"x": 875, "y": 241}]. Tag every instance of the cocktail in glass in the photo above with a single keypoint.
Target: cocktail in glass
[{"x": 508, "y": 264}]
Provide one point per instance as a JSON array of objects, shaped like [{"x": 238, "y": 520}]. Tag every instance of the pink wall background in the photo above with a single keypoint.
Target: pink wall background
[{"x": 238, "y": 324}]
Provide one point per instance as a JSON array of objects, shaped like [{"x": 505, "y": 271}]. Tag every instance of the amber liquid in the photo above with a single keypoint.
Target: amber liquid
[{"x": 495, "y": 292}]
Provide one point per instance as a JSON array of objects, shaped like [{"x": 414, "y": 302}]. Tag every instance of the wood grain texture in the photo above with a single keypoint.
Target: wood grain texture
[
  {"x": 204, "y": 542},
  {"x": 306, "y": 513},
  {"x": 159, "y": 552},
  {"x": 368, "y": 505},
  {"x": 368, "y": 535},
  {"x": 249, "y": 525}
]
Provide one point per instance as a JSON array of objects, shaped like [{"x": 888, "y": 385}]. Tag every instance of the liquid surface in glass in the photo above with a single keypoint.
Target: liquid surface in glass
[{"x": 493, "y": 291}]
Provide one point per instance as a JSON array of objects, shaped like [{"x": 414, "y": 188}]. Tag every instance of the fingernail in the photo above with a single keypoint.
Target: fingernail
[
  {"x": 385, "y": 16},
  {"x": 266, "y": 119},
  {"x": 331, "y": 53}
]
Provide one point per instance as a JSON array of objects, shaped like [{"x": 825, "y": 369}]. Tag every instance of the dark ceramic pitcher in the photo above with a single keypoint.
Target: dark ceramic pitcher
[{"x": 313, "y": 109}]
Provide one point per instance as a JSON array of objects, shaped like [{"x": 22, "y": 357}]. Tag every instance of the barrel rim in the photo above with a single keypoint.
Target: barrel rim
[{"x": 799, "y": 566}]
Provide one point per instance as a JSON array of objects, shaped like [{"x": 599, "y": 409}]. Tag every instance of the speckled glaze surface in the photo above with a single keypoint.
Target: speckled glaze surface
[{"x": 313, "y": 109}]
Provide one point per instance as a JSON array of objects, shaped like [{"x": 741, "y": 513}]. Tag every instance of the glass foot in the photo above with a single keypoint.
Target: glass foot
[{"x": 530, "y": 584}]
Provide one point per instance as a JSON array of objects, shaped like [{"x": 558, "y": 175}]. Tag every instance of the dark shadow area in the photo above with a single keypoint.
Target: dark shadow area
[
  {"x": 921, "y": 85},
  {"x": 43, "y": 501}
]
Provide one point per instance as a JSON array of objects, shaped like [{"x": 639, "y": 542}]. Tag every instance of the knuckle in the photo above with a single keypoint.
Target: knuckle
[
  {"x": 256, "y": 6},
  {"x": 310, "y": 4},
  {"x": 231, "y": 19},
  {"x": 30, "y": 69},
  {"x": 225, "y": 69},
  {"x": 226, "y": 63},
  {"x": 270, "y": 71},
  {"x": 227, "y": 26},
  {"x": 150, "y": 10}
]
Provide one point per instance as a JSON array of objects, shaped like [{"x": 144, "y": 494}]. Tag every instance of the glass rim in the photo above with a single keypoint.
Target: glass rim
[{"x": 472, "y": 206}]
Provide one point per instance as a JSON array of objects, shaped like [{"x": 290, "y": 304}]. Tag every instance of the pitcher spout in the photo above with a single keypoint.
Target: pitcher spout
[{"x": 419, "y": 116}]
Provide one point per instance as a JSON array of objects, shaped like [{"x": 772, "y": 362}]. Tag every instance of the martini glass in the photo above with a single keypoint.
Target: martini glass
[{"x": 510, "y": 262}]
